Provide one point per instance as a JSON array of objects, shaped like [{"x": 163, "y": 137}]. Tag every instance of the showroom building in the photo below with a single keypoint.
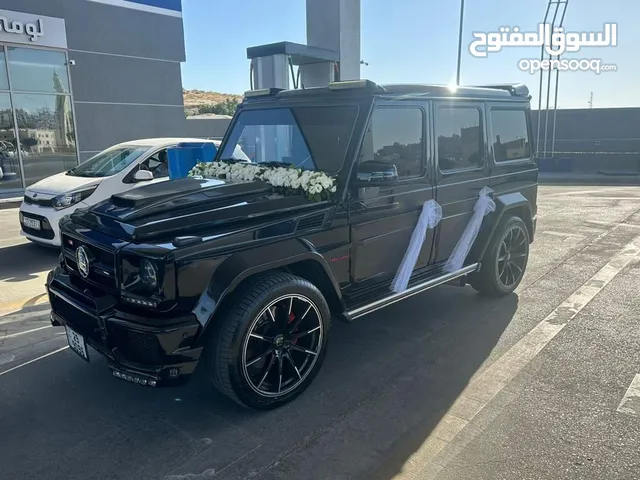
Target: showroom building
[{"x": 77, "y": 76}]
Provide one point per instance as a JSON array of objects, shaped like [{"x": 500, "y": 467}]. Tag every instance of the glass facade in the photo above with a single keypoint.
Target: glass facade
[{"x": 37, "y": 135}]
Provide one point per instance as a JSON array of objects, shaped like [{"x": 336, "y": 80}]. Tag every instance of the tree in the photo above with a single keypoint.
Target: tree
[{"x": 228, "y": 107}]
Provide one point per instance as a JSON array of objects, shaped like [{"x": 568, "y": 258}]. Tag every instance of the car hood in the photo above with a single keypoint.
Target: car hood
[
  {"x": 62, "y": 183},
  {"x": 193, "y": 207}
]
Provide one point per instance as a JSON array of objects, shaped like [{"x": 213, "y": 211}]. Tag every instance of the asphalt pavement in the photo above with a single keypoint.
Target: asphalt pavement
[{"x": 542, "y": 384}]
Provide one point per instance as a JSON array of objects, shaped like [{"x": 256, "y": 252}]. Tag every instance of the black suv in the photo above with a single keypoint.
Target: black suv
[{"x": 246, "y": 281}]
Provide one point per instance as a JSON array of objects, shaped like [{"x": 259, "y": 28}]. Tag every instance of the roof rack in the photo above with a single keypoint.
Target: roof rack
[
  {"x": 515, "y": 89},
  {"x": 263, "y": 92},
  {"x": 350, "y": 84}
]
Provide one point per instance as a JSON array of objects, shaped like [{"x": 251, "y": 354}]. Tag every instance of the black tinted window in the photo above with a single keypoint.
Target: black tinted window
[
  {"x": 395, "y": 137},
  {"x": 459, "y": 133},
  {"x": 510, "y": 135}
]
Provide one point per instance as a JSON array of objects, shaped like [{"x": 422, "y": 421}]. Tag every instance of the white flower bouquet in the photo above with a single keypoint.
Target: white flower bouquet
[{"x": 315, "y": 186}]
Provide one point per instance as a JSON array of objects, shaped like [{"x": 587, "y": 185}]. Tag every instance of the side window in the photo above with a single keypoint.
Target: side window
[
  {"x": 510, "y": 135},
  {"x": 395, "y": 137},
  {"x": 157, "y": 164},
  {"x": 459, "y": 134}
]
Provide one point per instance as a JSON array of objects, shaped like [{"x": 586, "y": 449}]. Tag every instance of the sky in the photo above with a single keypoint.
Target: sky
[{"x": 416, "y": 41}]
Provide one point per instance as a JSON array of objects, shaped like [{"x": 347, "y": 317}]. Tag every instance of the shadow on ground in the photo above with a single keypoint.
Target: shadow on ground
[
  {"x": 71, "y": 420},
  {"x": 22, "y": 262}
]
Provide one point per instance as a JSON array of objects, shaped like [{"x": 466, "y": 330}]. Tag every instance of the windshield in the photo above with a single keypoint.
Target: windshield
[
  {"x": 108, "y": 162},
  {"x": 311, "y": 138}
]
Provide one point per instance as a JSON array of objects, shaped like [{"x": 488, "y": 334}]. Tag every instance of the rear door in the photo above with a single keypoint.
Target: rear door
[
  {"x": 462, "y": 168},
  {"x": 382, "y": 219},
  {"x": 514, "y": 166}
]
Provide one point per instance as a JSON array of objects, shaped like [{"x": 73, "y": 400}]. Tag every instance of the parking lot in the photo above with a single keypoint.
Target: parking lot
[{"x": 544, "y": 383}]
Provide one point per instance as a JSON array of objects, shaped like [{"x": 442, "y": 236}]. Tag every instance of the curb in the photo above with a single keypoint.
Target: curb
[
  {"x": 10, "y": 203},
  {"x": 41, "y": 307}
]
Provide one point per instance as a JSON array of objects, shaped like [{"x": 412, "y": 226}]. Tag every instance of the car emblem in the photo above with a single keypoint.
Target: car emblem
[
  {"x": 34, "y": 195},
  {"x": 82, "y": 258}
]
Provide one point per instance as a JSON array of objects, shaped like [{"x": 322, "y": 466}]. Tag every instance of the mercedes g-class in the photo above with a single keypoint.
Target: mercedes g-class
[{"x": 244, "y": 278}]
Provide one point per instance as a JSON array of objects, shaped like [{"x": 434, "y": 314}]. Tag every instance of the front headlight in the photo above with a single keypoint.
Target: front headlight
[
  {"x": 67, "y": 199},
  {"x": 148, "y": 274},
  {"x": 140, "y": 276}
]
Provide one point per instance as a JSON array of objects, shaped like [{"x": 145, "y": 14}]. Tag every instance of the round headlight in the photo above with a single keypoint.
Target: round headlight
[{"x": 148, "y": 273}]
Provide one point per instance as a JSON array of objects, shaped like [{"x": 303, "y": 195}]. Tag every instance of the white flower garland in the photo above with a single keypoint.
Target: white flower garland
[{"x": 316, "y": 186}]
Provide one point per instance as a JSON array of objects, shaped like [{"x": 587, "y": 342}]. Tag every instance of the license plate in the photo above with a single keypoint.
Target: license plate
[
  {"x": 77, "y": 344},
  {"x": 31, "y": 223}
]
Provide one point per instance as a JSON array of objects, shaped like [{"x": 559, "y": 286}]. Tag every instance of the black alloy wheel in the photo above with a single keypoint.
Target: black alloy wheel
[
  {"x": 505, "y": 259},
  {"x": 283, "y": 345},
  {"x": 512, "y": 256},
  {"x": 270, "y": 342}
]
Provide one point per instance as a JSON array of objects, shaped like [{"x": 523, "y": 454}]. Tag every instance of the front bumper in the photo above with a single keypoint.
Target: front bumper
[
  {"x": 49, "y": 218},
  {"x": 160, "y": 351}
]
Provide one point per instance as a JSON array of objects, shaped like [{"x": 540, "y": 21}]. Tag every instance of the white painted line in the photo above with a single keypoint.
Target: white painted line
[
  {"x": 567, "y": 236},
  {"x": 33, "y": 361},
  {"x": 24, "y": 333},
  {"x": 630, "y": 404},
  {"x": 584, "y": 192},
  {"x": 611, "y": 224},
  {"x": 489, "y": 383},
  {"x": 615, "y": 198}
]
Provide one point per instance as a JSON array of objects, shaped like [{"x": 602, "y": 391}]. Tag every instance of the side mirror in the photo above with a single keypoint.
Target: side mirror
[
  {"x": 143, "y": 176},
  {"x": 376, "y": 174}
]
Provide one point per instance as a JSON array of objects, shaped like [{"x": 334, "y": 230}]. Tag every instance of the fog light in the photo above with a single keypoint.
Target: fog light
[
  {"x": 141, "y": 302},
  {"x": 134, "y": 378}
]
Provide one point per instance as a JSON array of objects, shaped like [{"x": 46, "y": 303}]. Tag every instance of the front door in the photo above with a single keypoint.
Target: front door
[
  {"x": 382, "y": 218},
  {"x": 462, "y": 168}
]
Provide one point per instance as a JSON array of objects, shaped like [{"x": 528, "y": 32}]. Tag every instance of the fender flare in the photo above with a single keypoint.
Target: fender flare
[
  {"x": 240, "y": 266},
  {"x": 505, "y": 204}
]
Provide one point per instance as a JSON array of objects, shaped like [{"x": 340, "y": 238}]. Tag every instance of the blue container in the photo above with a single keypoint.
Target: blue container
[{"x": 184, "y": 156}]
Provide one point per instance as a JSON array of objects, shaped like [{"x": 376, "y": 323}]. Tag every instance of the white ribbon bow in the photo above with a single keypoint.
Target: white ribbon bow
[
  {"x": 484, "y": 205},
  {"x": 429, "y": 218}
]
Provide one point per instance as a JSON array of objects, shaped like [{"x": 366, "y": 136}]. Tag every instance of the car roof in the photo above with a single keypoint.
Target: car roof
[
  {"x": 166, "y": 141},
  {"x": 366, "y": 88}
]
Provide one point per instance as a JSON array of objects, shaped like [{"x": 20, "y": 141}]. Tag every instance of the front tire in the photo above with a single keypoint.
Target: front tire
[
  {"x": 505, "y": 259},
  {"x": 271, "y": 342}
]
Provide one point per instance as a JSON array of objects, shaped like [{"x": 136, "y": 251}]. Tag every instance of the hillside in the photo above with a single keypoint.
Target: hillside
[{"x": 196, "y": 98}]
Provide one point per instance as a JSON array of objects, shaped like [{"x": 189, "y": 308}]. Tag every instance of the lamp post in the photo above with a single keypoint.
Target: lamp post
[{"x": 460, "y": 41}]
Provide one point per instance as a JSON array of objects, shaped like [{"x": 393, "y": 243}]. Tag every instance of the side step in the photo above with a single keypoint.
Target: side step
[{"x": 409, "y": 292}]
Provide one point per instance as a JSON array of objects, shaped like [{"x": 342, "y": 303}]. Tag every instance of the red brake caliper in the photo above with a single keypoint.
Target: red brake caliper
[{"x": 292, "y": 317}]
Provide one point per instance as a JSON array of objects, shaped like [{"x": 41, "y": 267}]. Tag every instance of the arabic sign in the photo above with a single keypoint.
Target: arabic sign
[
  {"x": 172, "y": 8},
  {"x": 37, "y": 30},
  {"x": 555, "y": 42}
]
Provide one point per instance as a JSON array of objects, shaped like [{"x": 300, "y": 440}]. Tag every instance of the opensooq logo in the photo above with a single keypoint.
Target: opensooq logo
[{"x": 554, "y": 41}]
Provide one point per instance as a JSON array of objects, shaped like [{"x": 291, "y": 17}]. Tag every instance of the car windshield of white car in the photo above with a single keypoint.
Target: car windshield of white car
[
  {"x": 109, "y": 162},
  {"x": 311, "y": 138}
]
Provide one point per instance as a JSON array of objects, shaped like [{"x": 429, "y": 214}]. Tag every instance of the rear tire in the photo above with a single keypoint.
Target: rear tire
[
  {"x": 505, "y": 259},
  {"x": 270, "y": 343}
]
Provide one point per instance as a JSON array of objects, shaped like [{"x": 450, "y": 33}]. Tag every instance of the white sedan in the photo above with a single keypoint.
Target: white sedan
[{"x": 115, "y": 170}]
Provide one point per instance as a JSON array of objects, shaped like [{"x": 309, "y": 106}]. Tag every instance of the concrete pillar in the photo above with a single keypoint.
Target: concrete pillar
[
  {"x": 271, "y": 72},
  {"x": 334, "y": 25}
]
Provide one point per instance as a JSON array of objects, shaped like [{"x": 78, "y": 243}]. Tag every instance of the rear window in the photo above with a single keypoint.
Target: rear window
[
  {"x": 510, "y": 135},
  {"x": 459, "y": 132}
]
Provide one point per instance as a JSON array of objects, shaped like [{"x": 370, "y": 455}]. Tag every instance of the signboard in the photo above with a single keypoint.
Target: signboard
[
  {"x": 172, "y": 8},
  {"x": 36, "y": 30}
]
